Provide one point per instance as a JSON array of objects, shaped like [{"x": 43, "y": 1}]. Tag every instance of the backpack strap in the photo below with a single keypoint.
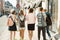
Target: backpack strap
[{"x": 11, "y": 18}]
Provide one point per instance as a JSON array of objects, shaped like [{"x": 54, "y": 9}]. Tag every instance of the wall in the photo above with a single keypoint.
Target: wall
[{"x": 1, "y": 5}]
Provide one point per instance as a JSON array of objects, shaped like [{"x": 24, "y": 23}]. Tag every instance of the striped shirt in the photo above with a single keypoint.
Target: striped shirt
[{"x": 41, "y": 19}]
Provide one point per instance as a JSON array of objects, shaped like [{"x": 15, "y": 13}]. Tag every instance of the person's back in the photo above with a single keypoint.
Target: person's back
[
  {"x": 30, "y": 22},
  {"x": 12, "y": 28},
  {"x": 41, "y": 18},
  {"x": 31, "y": 18},
  {"x": 22, "y": 20},
  {"x": 48, "y": 22}
]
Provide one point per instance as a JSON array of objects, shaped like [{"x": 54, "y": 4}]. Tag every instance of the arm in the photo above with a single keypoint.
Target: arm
[
  {"x": 8, "y": 21},
  {"x": 26, "y": 17},
  {"x": 16, "y": 19}
]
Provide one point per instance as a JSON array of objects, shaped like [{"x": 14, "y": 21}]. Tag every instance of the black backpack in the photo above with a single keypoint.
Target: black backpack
[{"x": 48, "y": 20}]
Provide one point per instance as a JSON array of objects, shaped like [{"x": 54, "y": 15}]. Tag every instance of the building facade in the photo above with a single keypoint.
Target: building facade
[{"x": 2, "y": 2}]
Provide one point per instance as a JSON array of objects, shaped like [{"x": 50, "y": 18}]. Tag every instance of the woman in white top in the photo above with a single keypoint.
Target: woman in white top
[
  {"x": 12, "y": 28},
  {"x": 31, "y": 22}
]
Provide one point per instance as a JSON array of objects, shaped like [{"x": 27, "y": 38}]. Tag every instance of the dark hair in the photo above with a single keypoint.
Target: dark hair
[
  {"x": 31, "y": 10},
  {"x": 41, "y": 8},
  {"x": 13, "y": 12},
  {"x": 21, "y": 12}
]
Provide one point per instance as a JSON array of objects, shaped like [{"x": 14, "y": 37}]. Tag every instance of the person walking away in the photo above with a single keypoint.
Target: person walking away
[
  {"x": 12, "y": 25},
  {"x": 41, "y": 17},
  {"x": 31, "y": 19},
  {"x": 21, "y": 18},
  {"x": 48, "y": 22}
]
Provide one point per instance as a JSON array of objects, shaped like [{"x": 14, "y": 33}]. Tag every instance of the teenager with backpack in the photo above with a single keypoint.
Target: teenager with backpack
[
  {"x": 12, "y": 25},
  {"x": 48, "y": 22},
  {"x": 21, "y": 18}
]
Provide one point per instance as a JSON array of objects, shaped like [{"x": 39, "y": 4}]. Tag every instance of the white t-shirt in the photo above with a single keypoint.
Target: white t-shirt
[
  {"x": 13, "y": 17},
  {"x": 31, "y": 18}
]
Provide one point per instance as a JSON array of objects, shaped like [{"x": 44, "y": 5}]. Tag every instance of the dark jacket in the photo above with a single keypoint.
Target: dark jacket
[{"x": 48, "y": 19}]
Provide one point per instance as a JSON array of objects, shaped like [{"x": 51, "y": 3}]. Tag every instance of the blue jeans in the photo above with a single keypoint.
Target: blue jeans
[{"x": 47, "y": 29}]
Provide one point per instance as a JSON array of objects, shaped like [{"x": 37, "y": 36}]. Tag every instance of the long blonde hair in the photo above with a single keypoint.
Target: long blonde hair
[{"x": 21, "y": 12}]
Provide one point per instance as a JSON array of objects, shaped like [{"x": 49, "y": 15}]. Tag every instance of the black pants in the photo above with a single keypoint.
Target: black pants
[{"x": 43, "y": 33}]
